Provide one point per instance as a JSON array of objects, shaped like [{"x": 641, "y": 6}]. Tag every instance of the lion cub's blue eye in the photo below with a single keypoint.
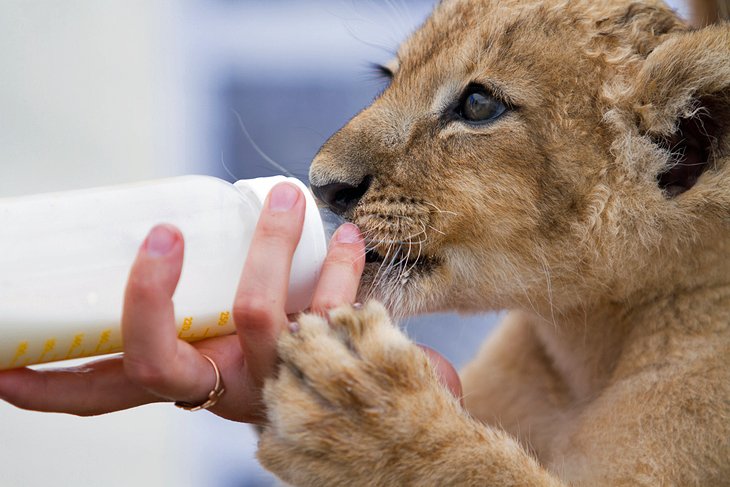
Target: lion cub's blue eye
[{"x": 479, "y": 107}]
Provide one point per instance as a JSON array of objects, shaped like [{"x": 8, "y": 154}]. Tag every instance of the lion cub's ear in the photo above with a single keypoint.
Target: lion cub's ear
[{"x": 681, "y": 97}]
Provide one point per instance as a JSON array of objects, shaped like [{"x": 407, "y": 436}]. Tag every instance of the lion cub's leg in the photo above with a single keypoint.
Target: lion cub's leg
[
  {"x": 357, "y": 403},
  {"x": 511, "y": 384}
]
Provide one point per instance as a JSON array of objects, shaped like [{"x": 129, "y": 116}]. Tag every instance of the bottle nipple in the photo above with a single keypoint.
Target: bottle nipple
[{"x": 331, "y": 221}]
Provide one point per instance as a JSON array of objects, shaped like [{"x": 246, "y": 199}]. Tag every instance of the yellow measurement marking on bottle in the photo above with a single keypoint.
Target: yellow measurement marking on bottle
[
  {"x": 19, "y": 352},
  {"x": 205, "y": 335},
  {"x": 223, "y": 320},
  {"x": 103, "y": 339},
  {"x": 78, "y": 340},
  {"x": 187, "y": 324},
  {"x": 113, "y": 346},
  {"x": 48, "y": 347}
]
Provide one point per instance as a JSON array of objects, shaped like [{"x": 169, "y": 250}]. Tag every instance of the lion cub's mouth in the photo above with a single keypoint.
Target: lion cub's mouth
[
  {"x": 399, "y": 240},
  {"x": 373, "y": 257},
  {"x": 400, "y": 261}
]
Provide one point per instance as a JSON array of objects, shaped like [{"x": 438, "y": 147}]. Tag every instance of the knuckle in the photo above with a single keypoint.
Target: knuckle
[
  {"x": 322, "y": 305},
  {"x": 146, "y": 374},
  {"x": 253, "y": 309},
  {"x": 142, "y": 289},
  {"x": 346, "y": 262},
  {"x": 354, "y": 266},
  {"x": 277, "y": 230}
]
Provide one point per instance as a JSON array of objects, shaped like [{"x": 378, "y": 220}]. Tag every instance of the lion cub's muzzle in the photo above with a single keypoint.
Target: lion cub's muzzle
[{"x": 398, "y": 229}]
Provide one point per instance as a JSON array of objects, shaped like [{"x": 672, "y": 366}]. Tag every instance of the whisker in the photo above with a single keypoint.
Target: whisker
[
  {"x": 260, "y": 152},
  {"x": 225, "y": 166},
  {"x": 391, "y": 283},
  {"x": 415, "y": 261},
  {"x": 408, "y": 239},
  {"x": 436, "y": 230},
  {"x": 382, "y": 266},
  {"x": 447, "y": 212},
  {"x": 404, "y": 268}
]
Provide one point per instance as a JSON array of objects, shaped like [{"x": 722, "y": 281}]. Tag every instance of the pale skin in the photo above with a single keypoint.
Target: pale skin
[{"x": 159, "y": 367}]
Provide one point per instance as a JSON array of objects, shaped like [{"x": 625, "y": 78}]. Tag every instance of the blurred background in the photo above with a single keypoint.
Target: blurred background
[{"x": 100, "y": 92}]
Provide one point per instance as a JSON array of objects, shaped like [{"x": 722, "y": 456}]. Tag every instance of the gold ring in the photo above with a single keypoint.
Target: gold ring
[{"x": 213, "y": 395}]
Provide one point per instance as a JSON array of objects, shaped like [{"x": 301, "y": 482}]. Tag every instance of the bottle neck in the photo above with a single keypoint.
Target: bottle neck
[
  {"x": 257, "y": 189},
  {"x": 331, "y": 221},
  {"x": 319, "y": 225}
]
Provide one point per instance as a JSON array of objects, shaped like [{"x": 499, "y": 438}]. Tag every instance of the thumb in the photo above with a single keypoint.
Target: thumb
[{"x": 446, "y": 372}]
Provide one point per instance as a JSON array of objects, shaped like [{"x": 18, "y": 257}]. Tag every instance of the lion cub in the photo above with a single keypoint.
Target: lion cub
[{"x": 569, "y": 160}]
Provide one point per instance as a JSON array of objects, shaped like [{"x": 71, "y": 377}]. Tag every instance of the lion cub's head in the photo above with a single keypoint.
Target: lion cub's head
[{"x": 545, "y": 155}]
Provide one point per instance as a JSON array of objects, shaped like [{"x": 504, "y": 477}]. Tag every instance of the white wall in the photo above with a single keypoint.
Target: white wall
[
  {"x": 75, "y": 94},
  {"x": 80, "y": 106}
]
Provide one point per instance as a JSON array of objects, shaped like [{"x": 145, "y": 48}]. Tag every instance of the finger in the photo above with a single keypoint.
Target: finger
[
  {"x": 258, "y": 309},
  {"x": 242, "y": 398},
  {"x": 154, "y": 357},
  {"x": 340, "y": 277},
  {"x": 447, "y": 374},
  {"x": 94, "y": 388}
]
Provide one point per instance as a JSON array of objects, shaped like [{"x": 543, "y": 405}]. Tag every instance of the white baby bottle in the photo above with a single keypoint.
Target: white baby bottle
[{"x": 65, "y": 259}]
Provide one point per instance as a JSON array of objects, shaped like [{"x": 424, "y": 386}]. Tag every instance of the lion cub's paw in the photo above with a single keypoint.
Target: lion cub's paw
[{"x": 349, "y": 395}]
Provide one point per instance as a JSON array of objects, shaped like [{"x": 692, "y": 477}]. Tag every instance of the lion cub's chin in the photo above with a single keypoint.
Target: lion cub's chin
[{"x": 405, "y": 286}]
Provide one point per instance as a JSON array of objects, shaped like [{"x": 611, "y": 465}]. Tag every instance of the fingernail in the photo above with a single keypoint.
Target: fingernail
[
  {"x": 283, "y": 197},
  {"x": 348, "y": 234},
  {"x": 160, "y": 241}
]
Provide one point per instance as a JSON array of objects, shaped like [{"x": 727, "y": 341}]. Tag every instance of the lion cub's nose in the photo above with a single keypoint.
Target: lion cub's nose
[{"x": 342, "y": 197}]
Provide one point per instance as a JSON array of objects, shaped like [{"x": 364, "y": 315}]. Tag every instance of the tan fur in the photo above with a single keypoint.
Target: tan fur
[{"x": 613, "y": 368}]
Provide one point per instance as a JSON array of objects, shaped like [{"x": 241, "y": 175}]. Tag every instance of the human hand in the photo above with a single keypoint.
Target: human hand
[{"x": 157, "y": 366}]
